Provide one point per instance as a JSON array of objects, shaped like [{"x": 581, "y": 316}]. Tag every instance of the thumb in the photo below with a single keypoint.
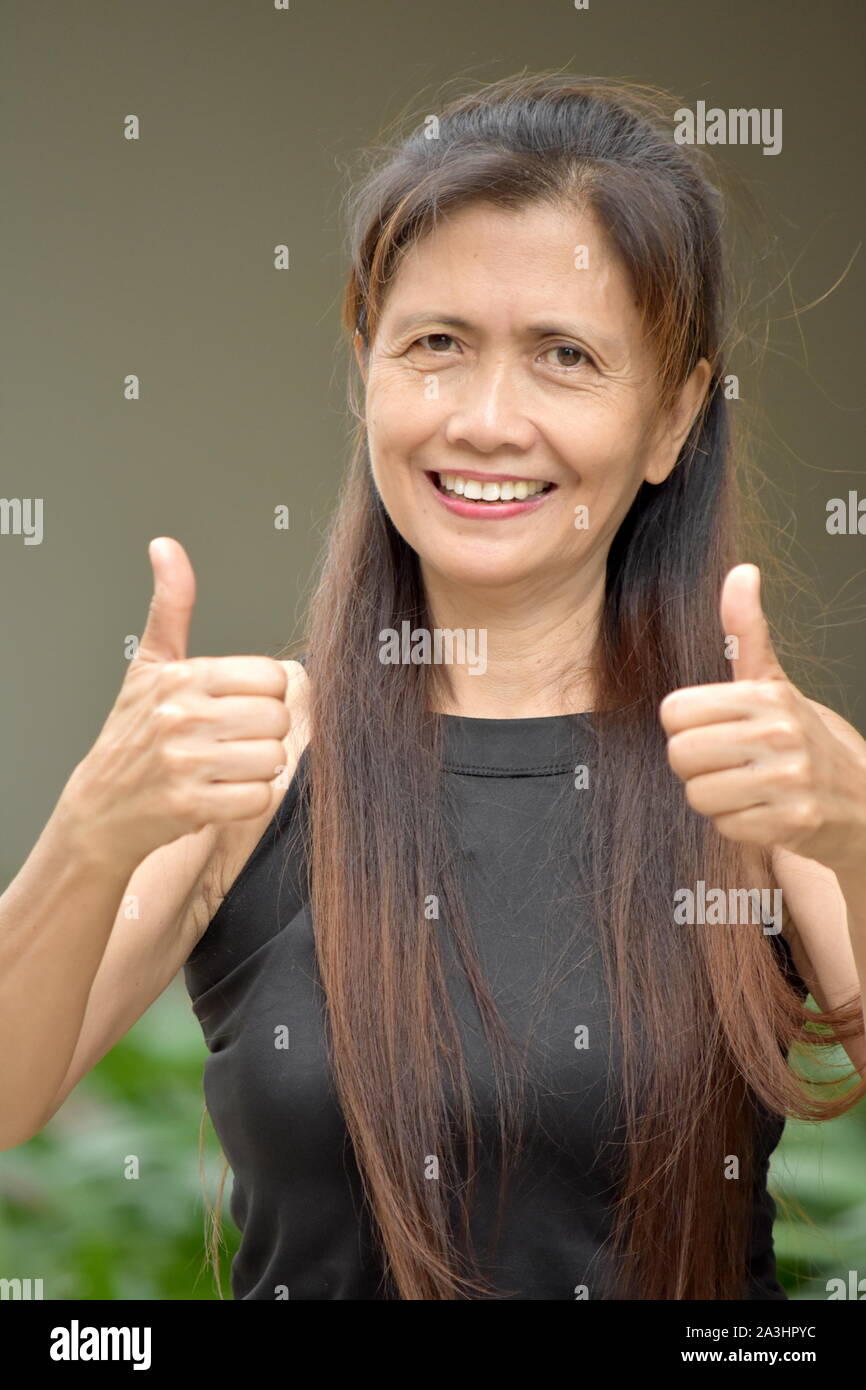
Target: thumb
[
  {"x": 747, "y": 636},
  {"x": 166, "y": 633}
]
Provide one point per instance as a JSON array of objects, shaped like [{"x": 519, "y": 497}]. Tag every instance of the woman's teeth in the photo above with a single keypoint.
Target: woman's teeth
[{"x": 477, "y": 491}]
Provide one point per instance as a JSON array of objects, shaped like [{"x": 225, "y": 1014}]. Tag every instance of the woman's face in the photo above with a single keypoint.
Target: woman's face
[{"x": 545, "y": 378}]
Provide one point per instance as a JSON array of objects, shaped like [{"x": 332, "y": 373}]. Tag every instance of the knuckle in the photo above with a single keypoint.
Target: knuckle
[
  {"x": 277, "y": 756},
  {"x": 693, "y": 796},
  {"x": 783, "y": 732},
  {"x": 773, "y": 693},
  {"x": 170, "y": 715},
  {"x": 677, "y": 755},
  {"x": 794, "y": 771},
  {"x": 252, "y": 799},
  {"x": 177, "y": 761},
  {"x": 175, "y": 674},
  {"x": 676, "y": 751},
  {"x": 269, "y": 675},
  {"x": 178, "y": 715},
  {"x": 179, "y": 803},
  {"x": 260, "y": 796},
  {"x": 280, "y": 720},
  {"x": 807, "y": 813}
]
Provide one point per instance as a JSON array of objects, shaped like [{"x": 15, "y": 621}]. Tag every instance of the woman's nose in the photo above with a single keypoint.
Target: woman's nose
[{"x": 488, "y": 409}]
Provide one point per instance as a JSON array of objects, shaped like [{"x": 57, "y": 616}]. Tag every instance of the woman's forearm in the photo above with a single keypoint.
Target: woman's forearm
[{"x": 55, "y": 920}]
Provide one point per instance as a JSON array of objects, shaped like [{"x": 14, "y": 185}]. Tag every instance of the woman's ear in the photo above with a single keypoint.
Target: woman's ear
[{"x": 673, "y": 427}]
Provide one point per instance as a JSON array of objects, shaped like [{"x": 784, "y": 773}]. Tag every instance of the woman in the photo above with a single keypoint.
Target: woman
[
  {"x": 505, "y": 262},
  {"x": 474, "y": 1031}
]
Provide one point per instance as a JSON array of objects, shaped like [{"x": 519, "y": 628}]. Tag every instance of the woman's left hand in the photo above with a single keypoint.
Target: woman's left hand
[{"x": 766, "y": 764}]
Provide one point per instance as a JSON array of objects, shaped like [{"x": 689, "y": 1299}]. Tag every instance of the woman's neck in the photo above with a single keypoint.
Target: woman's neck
[{"x": 530, "y": 654}]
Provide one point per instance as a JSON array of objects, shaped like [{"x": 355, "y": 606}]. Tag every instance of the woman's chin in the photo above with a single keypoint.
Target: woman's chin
[{"x": 501, "y": 573}]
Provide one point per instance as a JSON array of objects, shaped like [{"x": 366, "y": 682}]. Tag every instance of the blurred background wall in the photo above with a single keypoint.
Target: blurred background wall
[{"x": 155, "y": 257}]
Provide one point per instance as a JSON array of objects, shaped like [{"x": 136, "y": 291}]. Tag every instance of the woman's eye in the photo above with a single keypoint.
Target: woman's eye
[
  {"x": 575, "y": 351},
  {"x": 430, "y": 337},
  {"x": 434, "y": 342}
]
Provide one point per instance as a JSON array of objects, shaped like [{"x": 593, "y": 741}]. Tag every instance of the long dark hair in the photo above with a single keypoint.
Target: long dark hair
[{"x": 703, "y": 1018}]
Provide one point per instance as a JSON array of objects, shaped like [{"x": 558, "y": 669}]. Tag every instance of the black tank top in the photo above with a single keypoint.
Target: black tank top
[{"x": 296, "y": 1195}]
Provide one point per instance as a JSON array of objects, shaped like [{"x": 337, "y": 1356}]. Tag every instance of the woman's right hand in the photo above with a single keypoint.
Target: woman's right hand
[{"x": 190, "y": 740}]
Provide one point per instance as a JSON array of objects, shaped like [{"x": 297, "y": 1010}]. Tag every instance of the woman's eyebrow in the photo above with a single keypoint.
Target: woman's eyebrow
[{"x": 564, "y": 328}]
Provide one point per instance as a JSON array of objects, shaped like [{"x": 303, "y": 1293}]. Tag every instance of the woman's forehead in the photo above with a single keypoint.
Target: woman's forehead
[{"x": 526, "y": 273}]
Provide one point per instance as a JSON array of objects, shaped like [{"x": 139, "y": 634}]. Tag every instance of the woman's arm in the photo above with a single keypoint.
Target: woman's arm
[
  {"x": 771, "y": 767},
  {"x": 829, "y": 938}
]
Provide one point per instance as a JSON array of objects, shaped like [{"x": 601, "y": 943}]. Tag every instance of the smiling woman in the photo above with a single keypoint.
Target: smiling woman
[
  {"x": 513, "y": 1071},
  {"x": 501, "y": 392}
]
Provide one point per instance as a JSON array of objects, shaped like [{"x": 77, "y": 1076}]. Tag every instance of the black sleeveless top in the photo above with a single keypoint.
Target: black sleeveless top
[{"x": 296, "y": 1194}]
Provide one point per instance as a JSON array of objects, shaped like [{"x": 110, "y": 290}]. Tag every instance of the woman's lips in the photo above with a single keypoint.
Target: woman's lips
[{"x": 487, "y": 511}]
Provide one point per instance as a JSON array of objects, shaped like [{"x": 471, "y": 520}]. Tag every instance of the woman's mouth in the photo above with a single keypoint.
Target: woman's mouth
[{"x": 474, "y": 497}]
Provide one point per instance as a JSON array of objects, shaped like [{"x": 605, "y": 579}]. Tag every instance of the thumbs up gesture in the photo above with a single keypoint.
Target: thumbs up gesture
[
  {"x": 766, "y": 764},
  {"x": 190, "y": 740}
]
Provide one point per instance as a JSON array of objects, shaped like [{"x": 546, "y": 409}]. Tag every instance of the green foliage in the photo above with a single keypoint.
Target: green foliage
[
  {"x": 819, "y": 1172},
  {"x": 70, "y": 1216}
]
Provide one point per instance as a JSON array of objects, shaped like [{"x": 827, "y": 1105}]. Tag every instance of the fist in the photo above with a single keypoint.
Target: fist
[
  {"x": 190, "y": 740},
  {"x": 766, "y": 764}
]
